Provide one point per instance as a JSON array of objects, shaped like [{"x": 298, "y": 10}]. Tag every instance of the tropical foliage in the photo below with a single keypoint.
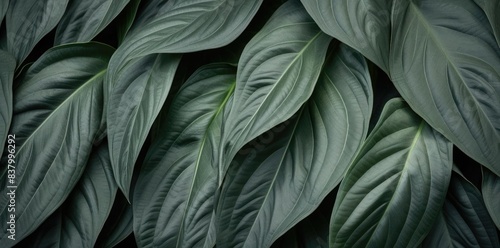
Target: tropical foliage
[{"x": 250, "y": 123}]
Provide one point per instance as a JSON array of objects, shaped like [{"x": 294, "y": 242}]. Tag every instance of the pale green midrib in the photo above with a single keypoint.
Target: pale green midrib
[
  {"x": 198, "y": 159},
  {"x": 299, "y": 55},
  {"x": 405, "y": 168},
  {"x": 292, "y": 134},
  {"x": 450, "y": 62},
  {"x": 92, "y": 79}
]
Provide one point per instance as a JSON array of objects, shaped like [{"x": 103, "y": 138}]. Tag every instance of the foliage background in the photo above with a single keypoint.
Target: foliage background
[{"x": 254, "y": 123}]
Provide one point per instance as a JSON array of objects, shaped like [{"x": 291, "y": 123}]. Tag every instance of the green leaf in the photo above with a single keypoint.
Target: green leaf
[
  {"x": 28, "y": 21},
  {"x": 277, "y": 72},
  {"x": 395, "y": 188},
  {"x": 132, "y": 108},
  {"x": 174, "y": 195},
  {"x": 79, "y": 220},
  {"x": 444, "y": 62},
  {"x": 7, "y": 67},
  {"x": 491, "y": 191},
  {"x": 84, "y": 19},
  {"x": 363, "y": 25},
  {"x": 118, "y": 226},
  {"x": 464, "y": 221},
  {"x": 57, "y": 112},
  {"x": 272, "y": 186}
]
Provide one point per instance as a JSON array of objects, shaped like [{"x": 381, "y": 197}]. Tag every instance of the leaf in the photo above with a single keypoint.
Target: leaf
[
  {"x": 79, "y": 220},
  {"x": 444, "y": 62},
  {"x": 84, "y": 19},
  {"x": 132, "y": 108},
  {"x": 7, "y": 67},
  {"x": 188, "y": 26},
  {"x": 177, "y": 26},
  {"x": 491, "y": 191},
  {"x": 395, "y": 188},
  {"x": 118, "y": 226},
  {"x": 28, "y": 21},
  {"x": 276, "y": 183},
  {"x": 174, "y": 195},
  {"x": 363, "y": 25},
  {"x": 57, "y": 111},
  {"x": 464, "y": 221},
  {"x": 277, "y": 72}
]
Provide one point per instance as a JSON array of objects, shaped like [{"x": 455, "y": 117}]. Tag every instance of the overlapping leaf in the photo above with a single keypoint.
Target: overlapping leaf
[
  {"x": 174, "y": 195},
  {"x": 84, "y": 19},
  {"x": 28, "y": 21},
  {"x": 464, "y": 221},
  {"x": 7, "y": 67},
  {"x": 395, "y": 188},
  {"x": 268, "y": 190},
  {"x": 491, "y": 191},
  {"x": 277, "y": 72},
  {"x": 492, "y": 8},
  {"x": 165, "y": 27},
  {"x": 363, "y": 25},
  {"x": 80, "y": 219},
  {"x": 133, "y": 105},
  {"x": 57, "y": 111},
  {"x": 444, "y": 62}
]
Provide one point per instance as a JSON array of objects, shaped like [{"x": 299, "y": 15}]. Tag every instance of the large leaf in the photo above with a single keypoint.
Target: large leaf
[
  {"x": 79, "y": 220},
  {"x": 132, "y": 108},
  {"x": 270, "y": 189},
  {"x": 396, "y": 187},
  {"x": 84, "y": 19},
  {"x": 7, "y": 67},
  {"x": 491, "y": 192},
  {"x": 277, "y": 72},
  {"x": 28, "y": 21},
  {"x": 174, "y": 195},
  {"x": 362, "y": 24},
  {"x": 464, "y": 221},
  {"x": 444, "y": 62},
  {"x": 57, "y": 111}
]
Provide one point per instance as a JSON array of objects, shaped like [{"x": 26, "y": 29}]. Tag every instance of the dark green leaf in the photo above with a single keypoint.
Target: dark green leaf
[
  {"x": 28, "y": 21},
  {"x": 57, "y": 111},
  {"x": 464, "y": 221},
  {"x": 364, "y": 25},
  {"x": 79, "y": 220},
  {"x": 312, "y": 232},
  {"x": 276, "y": 75},
  {"x": 132, "y": 108},
  {"x": 174, "y": 195},
  {"x": 7, "y": 67},
  {"x": 272, "y": 186},
  {"x": 3, "y": 9},
  {"x": 394, "y": 190},
  {"x": 492, "y": 10},
  {"x": 84, "y": 19},
  {"x": 444, "y": 62},
  {"x": 491, "y": 195}
]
